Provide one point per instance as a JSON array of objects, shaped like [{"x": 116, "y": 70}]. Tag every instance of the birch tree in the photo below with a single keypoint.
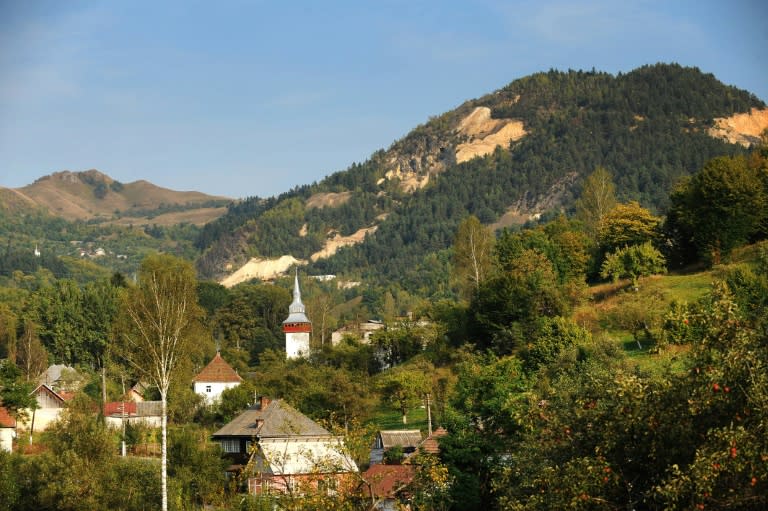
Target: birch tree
[
  {"x": 598, "y": 197},
  {"x": 473, "y": 255},
  {"x": 160, "y": 316}
]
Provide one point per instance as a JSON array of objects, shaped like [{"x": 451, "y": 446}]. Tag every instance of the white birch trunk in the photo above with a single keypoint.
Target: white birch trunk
[{"x": 164, "y": 454}]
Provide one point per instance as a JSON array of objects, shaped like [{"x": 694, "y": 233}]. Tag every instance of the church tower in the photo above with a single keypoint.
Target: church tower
[{"x": 297, "y": 326}]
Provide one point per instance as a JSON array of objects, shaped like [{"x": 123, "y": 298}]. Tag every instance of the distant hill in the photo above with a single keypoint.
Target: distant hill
[
  {"x": 93, "y": 195},
  {"x": 518, "y": 154}
]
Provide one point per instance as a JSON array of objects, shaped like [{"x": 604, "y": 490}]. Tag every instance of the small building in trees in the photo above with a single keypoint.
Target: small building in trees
[
  {"x": 120, "y": 413},
  {"x": 136, "y": 393},
  {"x": 50, "y": 404},
  {"x": 281, "y": 450},
  {"x": 389, "y": 486},
  {"x": 360, "y": 331},
  {"x": 7, "y": 430},
  {"x": 60, "y": 377},
  {"x": 297, "y": 327},
  {"x": 214, "y": 379},
  {"x": 407, "y": 440},
  {"x": 431, "y": 444}
]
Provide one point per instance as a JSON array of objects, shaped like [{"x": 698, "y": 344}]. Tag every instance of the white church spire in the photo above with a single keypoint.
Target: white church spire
[{"x": 296, "y": 311}]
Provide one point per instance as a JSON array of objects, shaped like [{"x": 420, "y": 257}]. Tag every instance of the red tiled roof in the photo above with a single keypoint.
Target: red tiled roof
[
  {"x": 387, "y": 480},
  {"x": 120, "y": 407},
  {"x": 6, "y": 421},
  {"x": 66, "y": 396},
  {"x": 218, "y": 371},
  {"x": 431, "y": 444}
]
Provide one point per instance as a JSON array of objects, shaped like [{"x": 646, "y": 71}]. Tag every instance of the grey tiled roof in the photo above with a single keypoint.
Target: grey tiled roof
[
  {"x": 276, "y": 420},
  {"x": 401, "y": 437}
]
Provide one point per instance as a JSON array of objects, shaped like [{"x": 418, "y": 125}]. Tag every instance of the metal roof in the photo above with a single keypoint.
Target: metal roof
[
  {"x": 276, "y": 419},
  {"x": 401, "y": 437},
  {"x": 296, "y": 311}
]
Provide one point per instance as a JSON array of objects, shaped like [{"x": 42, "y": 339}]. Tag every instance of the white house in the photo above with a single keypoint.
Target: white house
[
  {"x": 50, "y": 405},
  {"x": 215, "y": 378},
  {"x": 280, "y": 449}
]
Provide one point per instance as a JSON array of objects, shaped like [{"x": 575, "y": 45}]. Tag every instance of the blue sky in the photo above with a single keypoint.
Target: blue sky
[{"x": 244, "y": 98}]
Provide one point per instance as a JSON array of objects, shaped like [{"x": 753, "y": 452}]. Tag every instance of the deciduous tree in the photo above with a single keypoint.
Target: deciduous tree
[
  {"x": 627, "y": 224},
  {"x": 598, "y": 197},
  {"x": 404, "y": 387},
  {"x": 472, "y": 255},
  {"x": 161, "y": 314},
  {"x": 634, "y": 262},
  {"x": 719, "y": 208}
]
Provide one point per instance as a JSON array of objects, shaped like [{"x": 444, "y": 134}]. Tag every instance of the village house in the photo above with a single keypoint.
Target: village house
[
  {"x": 406, "y": 439},
  {"x": 360, "y": 331},
  {"x": 431, "y": 444},
  {"x": 136, "y": 393},
  {"x": 60, "y": 377},
  {"x": 388, "y": 486},
  {"x": 214, "y": 379},
  {"x": 120, "y": 413},
  {"x": 7, "y": 430},
  {"x": 50, "y": 404},
  {"x": 281, "y": 450}
]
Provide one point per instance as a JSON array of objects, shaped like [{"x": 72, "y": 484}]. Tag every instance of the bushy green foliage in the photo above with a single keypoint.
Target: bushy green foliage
[
  {"x": 196, "y": 468},
  {"x": 15, "y": 393},
  {"x": 251, "y": 319},
  {"x": 633, "y": 262},
  {"x": 553, "y": 335}
]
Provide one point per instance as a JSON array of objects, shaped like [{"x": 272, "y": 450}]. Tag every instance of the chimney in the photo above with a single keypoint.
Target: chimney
[{"x": 264, "y": 402}]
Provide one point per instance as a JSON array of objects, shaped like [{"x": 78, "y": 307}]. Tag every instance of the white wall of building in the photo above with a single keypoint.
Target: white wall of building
[
  {"x": 6, "y": 439},
  {"x": 44, "y": 417},
  {"x": 296, "y": 344},
  {"x": 211, "y": 391}
]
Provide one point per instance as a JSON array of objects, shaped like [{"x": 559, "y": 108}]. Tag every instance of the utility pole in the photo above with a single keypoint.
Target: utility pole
[{"x": 429, "y": 414}]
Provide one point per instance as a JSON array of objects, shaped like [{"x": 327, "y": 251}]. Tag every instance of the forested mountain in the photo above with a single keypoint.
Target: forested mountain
[{"x": 514, "y": 155}]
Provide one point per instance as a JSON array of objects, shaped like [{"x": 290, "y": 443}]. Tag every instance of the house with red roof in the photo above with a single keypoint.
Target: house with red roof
[
  {"x": 214, "y": 379},
  {"x": 118, "y": 413},
  {"x": 431, "y": 444},
  {"x": 7, "y": 430},
  {"x": 387, "y": 487}
]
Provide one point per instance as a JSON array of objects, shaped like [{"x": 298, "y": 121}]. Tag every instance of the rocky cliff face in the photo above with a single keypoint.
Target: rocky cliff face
[
  {"x": 746, "y": 128},
  {"x": 456, "y": 137}
]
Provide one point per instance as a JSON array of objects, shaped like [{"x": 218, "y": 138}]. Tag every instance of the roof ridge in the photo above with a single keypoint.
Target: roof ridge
[{"x": 218, "y": 370}]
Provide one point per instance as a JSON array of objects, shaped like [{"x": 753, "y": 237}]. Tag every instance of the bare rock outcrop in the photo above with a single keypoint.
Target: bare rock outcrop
[
  {"x": 263, "y": 269},
  {"x": 745, "y": 128},
  {"x": 485, "y": 133}
]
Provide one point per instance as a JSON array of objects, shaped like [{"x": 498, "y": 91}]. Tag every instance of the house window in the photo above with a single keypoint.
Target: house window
[
  {"x": 208, "y": 388},
  {"x": 327, "y": 485},
  {"x": 230, "y": 446}
]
